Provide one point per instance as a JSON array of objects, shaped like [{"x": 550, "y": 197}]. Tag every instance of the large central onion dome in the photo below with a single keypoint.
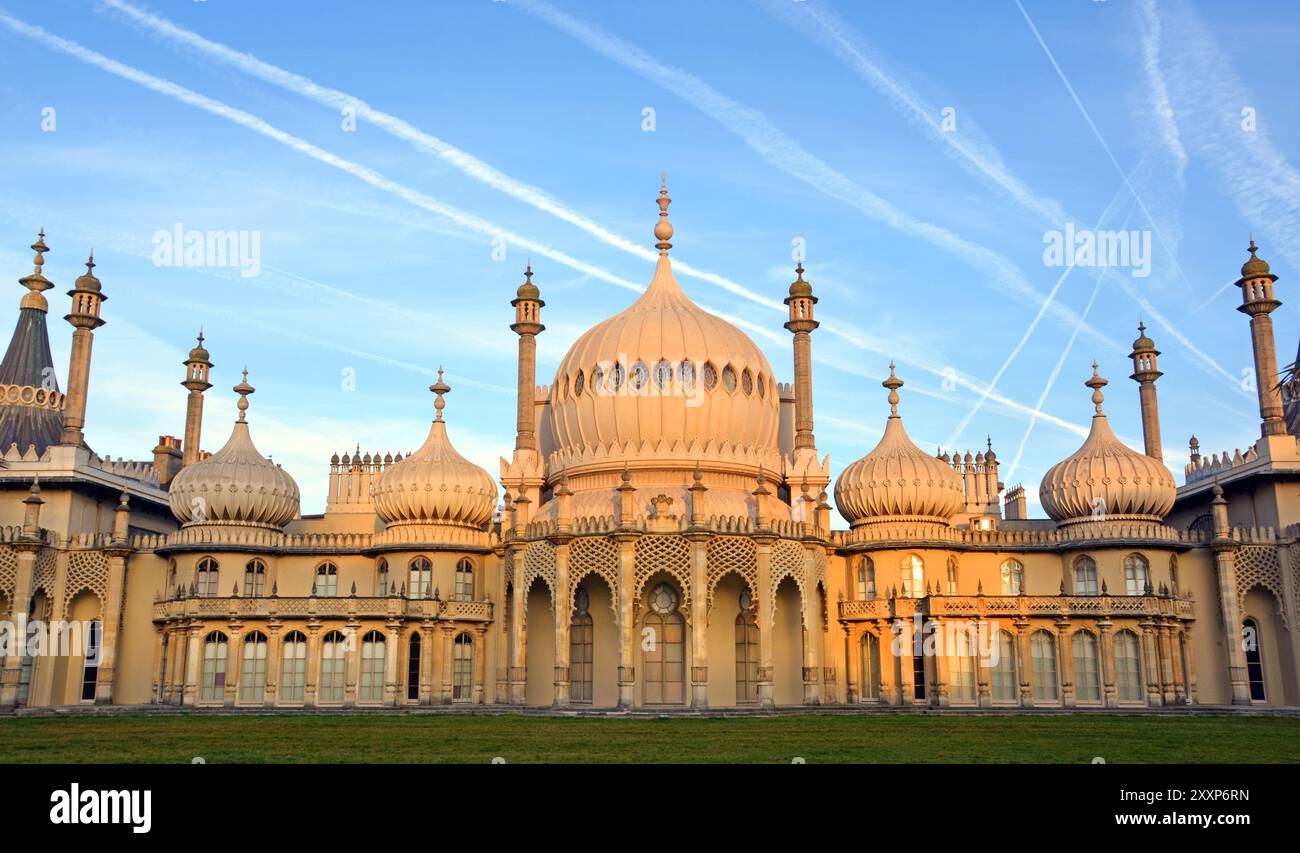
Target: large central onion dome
[
  {"x": 435, "y": 484},
  {"x": 898, "y": 481},
  {"x": 236, "y": 485},
  {"x": 665, "y": 380},
  {"x": 1105, "y": 480}
]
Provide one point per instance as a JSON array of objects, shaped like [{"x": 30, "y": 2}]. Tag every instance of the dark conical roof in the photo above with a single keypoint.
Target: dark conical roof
[{"x": 28, "y": 362}]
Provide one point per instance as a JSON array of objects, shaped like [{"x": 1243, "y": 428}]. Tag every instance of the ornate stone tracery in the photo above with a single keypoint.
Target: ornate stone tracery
[
  {"x": 668, "y": 554},
  {"x": 731, "y": 554}
]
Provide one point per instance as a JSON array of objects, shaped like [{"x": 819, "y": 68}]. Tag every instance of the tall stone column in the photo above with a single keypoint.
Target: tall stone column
[
  {"x": 1109, "y": 694},
  {"x": 1189, "y": 657},
  {"x": 812, "y": 635},
  {"x": 105, "y": 675},
  {"x": 448, "y": 654},
  {"x": 518, "y": 633},
  {"x": 563, "y": 622},
  {"x": 234, "y": 666},
  {"x": 1258, "y": 302},
  {"x": 905, "y": 634},
  {"x": 480, "y": 664},
  {"x": 1151, "y": 652},
  {"x": 1025, "y": 662},
  {"x": 311, "y": 678},
  {"x": 983, "y": 690},
  {"x": 27, "y": 549},
  {"x": 1166, "y": 664},
  {"x": 1224, "y": 548},
  {"x": 626, "y": 620},
  {"x": 197, "y": 370},
  {"x": 194, "y": 647},
  {"x": 1065, "y": 656},
  {"x": 941, "y": 695},
  {"x": 853, "y": 664},
  {"x": 427, "y": 643},
  {"x": 766, "y": 619},
  {"x": 87, "y": 295},
  {"x": 699, "y": 620},
  {"x": 1145, "y": 374},
  {"x": 274, "y": 663},
  {"x": 392, "y": 644}
]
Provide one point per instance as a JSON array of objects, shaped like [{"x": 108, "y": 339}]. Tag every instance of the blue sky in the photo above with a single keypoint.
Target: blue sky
[{"x": 776, "y": 121}]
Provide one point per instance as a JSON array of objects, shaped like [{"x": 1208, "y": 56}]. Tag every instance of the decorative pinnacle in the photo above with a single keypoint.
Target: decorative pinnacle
[
  {"x": 663, "y": 228},
  {"x": 1096, "y": 383},
  {"x": 40, "y": 249},
  {"x": 36, "y": 282},
  {"x": 243, "y": 389},
  {"x": 1252, "y": 248},
  {"x": 528, "y": 272},
  {"x": 698, "y": 476},
  {"x": 200, "y": 335},
  {"x": 893, "y": 383},
  {"x": 439, "y": 388}
]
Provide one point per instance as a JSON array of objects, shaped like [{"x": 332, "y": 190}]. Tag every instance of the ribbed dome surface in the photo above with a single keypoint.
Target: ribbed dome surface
[
  {"x": 435, "y": 484},
  {"x": 1105, "y": 480},
  {"x": 664, "y": 371},
  {"x": 235, "y": 485},
  {"x": 898, "y": 481}
]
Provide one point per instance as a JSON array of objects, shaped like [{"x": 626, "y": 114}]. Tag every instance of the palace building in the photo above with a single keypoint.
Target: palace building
[{"x": 660, "y": 538}]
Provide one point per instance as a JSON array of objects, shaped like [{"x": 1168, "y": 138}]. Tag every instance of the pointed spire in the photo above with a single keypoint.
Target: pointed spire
[
  {"x": 439, "y": 388},
  {"x": 37, "y": 282},
  {"x": 243, "y": 389},
  {"x": 1096, "y": 383},
  {"x": 799, "y": 287},
  {"x": 893, "y": 383},
  {"x": 663, "y": 228}
]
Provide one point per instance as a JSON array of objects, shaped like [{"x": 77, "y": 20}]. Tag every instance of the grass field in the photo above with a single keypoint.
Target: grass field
[{"x": 523, "y": 739}]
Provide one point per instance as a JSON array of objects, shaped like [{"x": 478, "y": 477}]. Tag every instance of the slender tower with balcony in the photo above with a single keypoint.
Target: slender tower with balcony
[
  {"x": 524, "y": 470},
  {"x": 87, "y": 296},
  {"x": 197, "y": 368},
  {"x": 1258, "y": 302},
  {"x": 1145, "y": 374},
  {"x": 804, "y": 466}
]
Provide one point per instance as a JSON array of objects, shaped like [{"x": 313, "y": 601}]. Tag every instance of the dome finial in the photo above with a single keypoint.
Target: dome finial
[
  {"x": 243, "y": 389},
  {"x": 200, "y": 334},
  {"x": 1096, "y": 383},
  {"x": 439, "y": 388},
  {"x": 663, "y": 228},
  {"x": 893, "y": 383}
]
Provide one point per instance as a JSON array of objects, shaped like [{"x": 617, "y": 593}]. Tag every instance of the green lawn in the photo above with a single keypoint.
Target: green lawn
[{"x": 523, "y": 739}]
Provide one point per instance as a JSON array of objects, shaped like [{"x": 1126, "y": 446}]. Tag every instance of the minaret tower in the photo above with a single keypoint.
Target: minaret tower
[
  {"x": 1258, "y": 302},
  {"x": 87, "y": 296},
  {"x": 1145, "y": 374},
  {"x": 804, "y": 468},
  {"x": 527, "y": 325},
  {"x": 197, "y": 367},
  {"x": 524, "y": 470}
]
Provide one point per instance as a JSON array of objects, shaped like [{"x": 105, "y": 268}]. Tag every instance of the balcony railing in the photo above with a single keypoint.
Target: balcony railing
[
  {"x": 1016, "y": 606},
  {"x": 323, "y": 607}
]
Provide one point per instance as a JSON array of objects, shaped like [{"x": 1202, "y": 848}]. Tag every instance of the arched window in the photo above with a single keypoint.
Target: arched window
[
  {"x": 952, "y": 576},
  {"x": 213, "y": 687},
  {"x": 1004, "y": 671},
  {"x": 293, "y": 667},
  {"x": 252, "y": 673},
  {"x": 1087, "y": 671},
  {"x": 462, "y": 683},
  {"x": 419, "y": 583},
  {"x": 254, "y": 579},
  {"x": 381, "y": 577},
  {"x": 1137, "y": 574},
  {"x": 1042, "y": 646},
  {"x": 1128, "y": 666},
  {"x": 332, "y": 663},
  {"x": 686, "y": 375},
  {"x": 90, "y": 668},
  {"x": 1250, "y": 641},
  {"x": 962, "y": 667},
  {"x": 581, "y": 647},
  {"x": 208, "y": 576},
  {"x": 746, "y": 651},
  {"x": 747, "y": 382},
  {"x": 913, "y": 576},
  {"x": 413, "y": 667},
  {"x": 709, "y": 374},
  {"x": 372, "y": 667},
  {"x": 866, "y": 579},
  {"x": 1013, "y": 577},
  {"x": 1085, "y": 576},
  {"x": 327, "y": 580},
  {"x": 465, "y": 579},
  {"x": 870, "y": 651},
  {"x": 663, "y": 375},
  {"x": 729, "y": 378},
  {"x": 1202, "y": 524}
]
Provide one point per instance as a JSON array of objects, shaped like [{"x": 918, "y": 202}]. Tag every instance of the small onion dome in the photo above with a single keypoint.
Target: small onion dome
[
  {"x": 1143, "y": 343},
  {"x": 799, "y": 287},
  {"x": 87, "y": 280},
  {"x": 200, "y": 352},
  {"x": 235, "y": 485},
  {"x": 528, "y": 290},
  {"x": 435, "y": 484},
  {"x": 898, "y": 481},
  {"x": 1105, "y": 480},
  {"x": 1255, "y": 266}
]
